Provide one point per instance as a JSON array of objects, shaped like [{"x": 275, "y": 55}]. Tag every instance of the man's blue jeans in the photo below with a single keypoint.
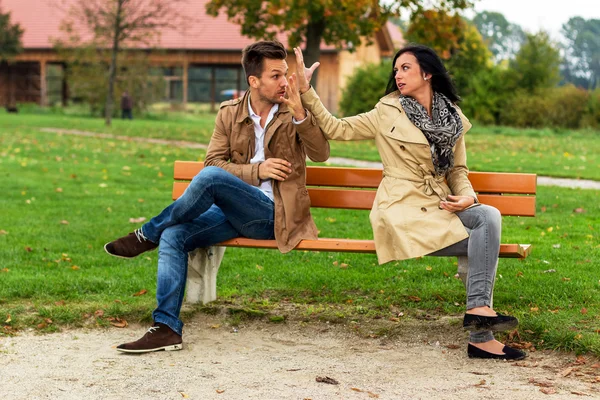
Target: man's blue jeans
[{"x": 216, "y": 206}]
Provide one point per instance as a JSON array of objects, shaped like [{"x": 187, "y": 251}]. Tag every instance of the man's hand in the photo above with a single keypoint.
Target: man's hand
[
  {"x": 293, "y": 100},
  {"x": 304, "y": 74},
  {"x": 457, "y": 203},
  {"x": 274, "y": 168}
]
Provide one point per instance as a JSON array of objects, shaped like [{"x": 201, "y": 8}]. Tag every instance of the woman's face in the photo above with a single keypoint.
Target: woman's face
[{"x": 409, "y": 77}]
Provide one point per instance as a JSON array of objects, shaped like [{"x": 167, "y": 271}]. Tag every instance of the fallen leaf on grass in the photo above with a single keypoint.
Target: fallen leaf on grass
[
  {"x": 119, "y": 323},
  {"x": 58, "y": 190},
  {"x": 137, "y": 220},
  {"x": 140, "y": 293},
  {"x": 3, "y": 232},
  {"x": 74, "y": 267},
  {"x": 64, "y": 222},
  {"x": 328, "y": 380},
  {"x": 584, "y": 310},
  {"x": 28, "y": 249},
  {"x": 414, "y": 298},
  {"x": 5, "y": 270},
  {"x": 579, "y": 210},
  {"x": 99, "y": 313},
  {"x": 8, "y": 319}
]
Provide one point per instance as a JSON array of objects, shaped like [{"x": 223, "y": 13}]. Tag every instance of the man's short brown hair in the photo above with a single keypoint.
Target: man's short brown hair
[{"x": 253, "y": 56}]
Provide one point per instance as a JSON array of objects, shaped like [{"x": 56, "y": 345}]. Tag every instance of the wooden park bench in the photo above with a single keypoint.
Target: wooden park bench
[{"x": 352, "y": 188}]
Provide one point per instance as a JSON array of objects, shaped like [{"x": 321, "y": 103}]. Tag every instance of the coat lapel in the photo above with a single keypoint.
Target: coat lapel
[{"x": 403, "y": 129}]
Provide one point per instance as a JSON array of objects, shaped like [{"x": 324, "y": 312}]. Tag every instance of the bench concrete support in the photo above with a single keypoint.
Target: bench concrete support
[{"x": 203, "y": 267}]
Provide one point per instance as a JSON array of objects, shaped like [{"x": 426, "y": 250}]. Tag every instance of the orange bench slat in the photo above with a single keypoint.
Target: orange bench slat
[
  {"x": 363, "y": 200},
  {"x": 354, "y": 246},
  {"x": 483, "y": 182}
]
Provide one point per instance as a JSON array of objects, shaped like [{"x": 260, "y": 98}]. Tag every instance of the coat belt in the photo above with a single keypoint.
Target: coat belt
[{"x": 431, "y": 184}]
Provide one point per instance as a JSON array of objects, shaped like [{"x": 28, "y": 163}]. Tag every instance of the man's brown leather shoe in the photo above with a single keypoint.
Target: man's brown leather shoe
[
  {"x": 158, "y": 337},
  {"x": 130, "y": 246}
]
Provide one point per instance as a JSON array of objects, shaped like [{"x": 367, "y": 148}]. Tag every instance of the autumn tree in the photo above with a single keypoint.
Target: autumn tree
[
  {"x": 341, "y": 23},
  {"x": 10, "y": 37},
  {"x": 115, "y": 25}
]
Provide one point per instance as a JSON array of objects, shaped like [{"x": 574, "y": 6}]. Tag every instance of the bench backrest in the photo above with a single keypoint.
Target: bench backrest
[{"x": 354, "y": 188}]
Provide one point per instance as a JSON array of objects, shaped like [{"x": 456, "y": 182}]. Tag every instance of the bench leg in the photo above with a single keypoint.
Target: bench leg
[
  {"x": 203, "y": 266},
  {"x": 463, "y": 270}
]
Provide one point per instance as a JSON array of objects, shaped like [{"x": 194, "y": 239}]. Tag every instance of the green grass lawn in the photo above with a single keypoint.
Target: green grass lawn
[
  {"x": 65, "y": 196},
  {"x": 546, "y": 152}
]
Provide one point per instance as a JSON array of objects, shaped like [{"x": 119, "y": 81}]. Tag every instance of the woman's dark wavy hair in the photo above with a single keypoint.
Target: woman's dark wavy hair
[{"x": 430, "y": 63}]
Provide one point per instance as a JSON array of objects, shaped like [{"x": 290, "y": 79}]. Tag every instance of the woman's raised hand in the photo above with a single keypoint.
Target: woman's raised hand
[
  {"x": 292, "y": 100},
  {"x": 304, "y": 74}
]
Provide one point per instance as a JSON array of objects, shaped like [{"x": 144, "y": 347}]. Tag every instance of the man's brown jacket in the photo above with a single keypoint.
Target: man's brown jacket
[{"x": 232, "y": 147}]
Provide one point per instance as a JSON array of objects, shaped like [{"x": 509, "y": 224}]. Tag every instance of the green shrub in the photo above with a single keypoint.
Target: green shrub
[
  {"x": 364, "y": 88},
  {"x": 488, "y": 94},
  {"x": 562, "y": 107},
  {"x": 567, "y": 106},
  {"x": 591, "y": 118}
]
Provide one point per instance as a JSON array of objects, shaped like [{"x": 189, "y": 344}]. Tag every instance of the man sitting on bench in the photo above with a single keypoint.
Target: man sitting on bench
[{"x": 252, "y": 186}]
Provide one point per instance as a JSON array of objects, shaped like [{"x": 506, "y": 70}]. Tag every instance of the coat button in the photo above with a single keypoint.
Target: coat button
[
  {"x": 402, "y": 147},
  {"x": 423, "y": 209}
]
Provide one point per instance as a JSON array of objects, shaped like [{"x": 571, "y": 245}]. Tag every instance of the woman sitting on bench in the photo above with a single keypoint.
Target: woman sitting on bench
[{"x": 425, "y": 204}]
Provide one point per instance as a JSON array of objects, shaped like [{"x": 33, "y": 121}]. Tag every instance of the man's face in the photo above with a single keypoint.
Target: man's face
[{"x": 270, "y": 87}]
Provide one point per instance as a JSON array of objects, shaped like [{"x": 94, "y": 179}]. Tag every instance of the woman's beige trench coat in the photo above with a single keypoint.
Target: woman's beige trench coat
[{"x": 406, "y": 218}]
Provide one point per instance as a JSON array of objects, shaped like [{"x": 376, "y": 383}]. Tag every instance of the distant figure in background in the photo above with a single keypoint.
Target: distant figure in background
[{"x": 126, "y": 105}]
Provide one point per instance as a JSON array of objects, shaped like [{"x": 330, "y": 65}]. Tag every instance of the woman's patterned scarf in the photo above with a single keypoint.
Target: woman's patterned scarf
[{"x": 442, "y": 130}]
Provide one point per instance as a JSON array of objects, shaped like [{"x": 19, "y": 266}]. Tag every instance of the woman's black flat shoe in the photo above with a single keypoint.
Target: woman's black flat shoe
[
  {"x": 509, "y": 353},
  {"x": 498, "y": 323}
]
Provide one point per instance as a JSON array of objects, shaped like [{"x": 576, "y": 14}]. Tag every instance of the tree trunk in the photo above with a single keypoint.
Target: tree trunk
[
  {"x": 314, "y": 34},
  {"x": 112, "y": 71}
]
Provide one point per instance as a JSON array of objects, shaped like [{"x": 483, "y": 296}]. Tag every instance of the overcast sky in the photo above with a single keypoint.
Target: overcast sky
[{"x": 533, "y": 15}]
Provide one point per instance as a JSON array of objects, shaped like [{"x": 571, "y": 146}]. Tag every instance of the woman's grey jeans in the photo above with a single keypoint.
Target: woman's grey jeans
[{"x": 484, "y": 224}]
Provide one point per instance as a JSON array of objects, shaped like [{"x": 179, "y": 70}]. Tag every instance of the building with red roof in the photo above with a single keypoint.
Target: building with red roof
[{"x": 200, "y": 62}]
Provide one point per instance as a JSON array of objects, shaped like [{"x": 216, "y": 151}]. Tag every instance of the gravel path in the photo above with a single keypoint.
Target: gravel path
[{"x": 281, "y": 361}]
